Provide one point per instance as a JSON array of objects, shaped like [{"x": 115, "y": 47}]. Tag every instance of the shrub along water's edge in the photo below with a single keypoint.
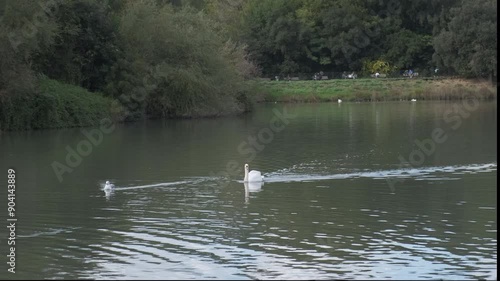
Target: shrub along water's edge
[
  {"x": 54, "y": 105},
  {"x": 59, "y": 105}
]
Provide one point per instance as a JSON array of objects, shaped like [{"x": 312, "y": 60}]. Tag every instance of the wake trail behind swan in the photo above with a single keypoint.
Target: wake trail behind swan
[
  {"x": 424, "y": 173},
  {"x": 164, "y": 184}
]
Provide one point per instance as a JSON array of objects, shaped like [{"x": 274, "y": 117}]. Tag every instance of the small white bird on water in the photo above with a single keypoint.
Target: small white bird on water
[
  {"x": 339, "y": 100},
  {"x": 252, "y": 176},
  {"x": 108, "y": 186},
  {"x": 413, "y": 99}
]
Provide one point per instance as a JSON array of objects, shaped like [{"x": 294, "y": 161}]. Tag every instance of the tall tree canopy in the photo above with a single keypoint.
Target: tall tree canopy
[
  {"x": 468, "y": 44},
  {"x": 338, "y": 35}
]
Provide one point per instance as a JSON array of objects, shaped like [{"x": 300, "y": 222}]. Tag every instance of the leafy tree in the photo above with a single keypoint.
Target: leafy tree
[
  {"x": 380, "y": 66},
  {"x": 25, "y": 29},
  {"x": 275, "y": 36},
  {"x": 406, "y": 49},
  {"x": 174, "y": 64},
  {"x": 226, "y": 16},
  {"x": 468, "y": 45},
  {"x": 85, "y": 47}
]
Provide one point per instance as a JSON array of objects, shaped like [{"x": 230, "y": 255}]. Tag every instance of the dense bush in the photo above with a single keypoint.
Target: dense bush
[
  {"x": 175, "y": 65},
  {"x": 54, "y": 105}
]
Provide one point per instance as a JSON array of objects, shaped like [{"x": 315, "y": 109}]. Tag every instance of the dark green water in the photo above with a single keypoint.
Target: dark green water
[{"x": 337, "y": 202}]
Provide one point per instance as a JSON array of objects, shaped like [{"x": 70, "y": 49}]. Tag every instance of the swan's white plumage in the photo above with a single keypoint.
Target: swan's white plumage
[{"x": 252, "y": 176}]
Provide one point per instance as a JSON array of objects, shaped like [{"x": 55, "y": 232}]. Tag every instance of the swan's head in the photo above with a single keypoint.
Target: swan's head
[
  {"x": 246, "y": 167},
  {"x": 107, "y": 182}
]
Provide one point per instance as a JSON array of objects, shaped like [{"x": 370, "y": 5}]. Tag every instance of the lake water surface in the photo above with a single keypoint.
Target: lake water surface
[{"x": 337, "y": 201}]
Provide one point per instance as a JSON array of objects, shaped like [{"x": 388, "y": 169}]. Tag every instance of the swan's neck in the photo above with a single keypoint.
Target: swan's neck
[{"x": 246, "y": 175}]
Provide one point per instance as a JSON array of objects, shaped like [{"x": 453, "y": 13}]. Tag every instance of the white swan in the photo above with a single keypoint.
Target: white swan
[
  {"x": 109, "y": 186},
  {"x": 339, "y": 100},
  {"x": 413, "y": 99},
  {"x": 252, "y": 176}
]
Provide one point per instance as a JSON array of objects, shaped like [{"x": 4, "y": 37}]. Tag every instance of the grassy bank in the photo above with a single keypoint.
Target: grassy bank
[
  {"x": 369, "y": 89},
  {"x": 54, "y": 105}
]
